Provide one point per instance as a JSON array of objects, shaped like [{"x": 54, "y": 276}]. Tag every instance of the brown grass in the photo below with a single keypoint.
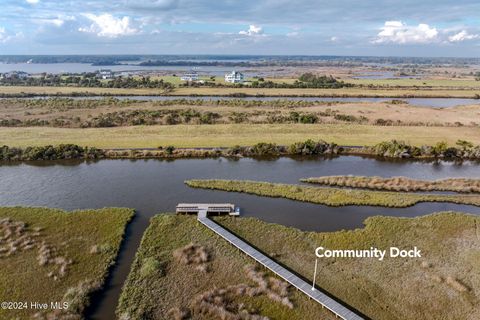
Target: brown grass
[
  {"x": 344, "y": 92},
  {"x": 221, "y": 302},
  {"x": 463, "y": 185},
  {"x": 193, "y": 254}
]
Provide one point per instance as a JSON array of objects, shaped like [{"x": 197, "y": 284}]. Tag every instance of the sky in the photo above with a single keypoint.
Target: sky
[{"x": 258, "y": 27}]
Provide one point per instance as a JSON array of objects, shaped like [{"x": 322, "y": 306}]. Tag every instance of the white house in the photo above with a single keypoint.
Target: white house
[
  {"x": 105, "y": 74},
  {"x": 193, "y": 76},
  {"x": 234, "y": 77}
]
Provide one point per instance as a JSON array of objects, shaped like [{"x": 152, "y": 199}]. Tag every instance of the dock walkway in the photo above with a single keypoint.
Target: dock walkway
[{"x": 338, "y": 309}]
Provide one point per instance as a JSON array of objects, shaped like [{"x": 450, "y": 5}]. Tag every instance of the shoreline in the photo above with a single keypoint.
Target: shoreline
[{"x": 199, "y": 153}]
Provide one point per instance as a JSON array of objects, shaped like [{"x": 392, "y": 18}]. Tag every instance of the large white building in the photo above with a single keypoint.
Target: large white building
[
  {"x": 234, "y": 77},
  {"x": 105, "y": 74}
]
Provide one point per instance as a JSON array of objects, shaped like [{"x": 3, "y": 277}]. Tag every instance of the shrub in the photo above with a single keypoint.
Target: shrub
[
  {"x": 209, "y": 117},
  {"x": 264, "y": 149},
  {"x": 150, "y": 266},
  {"x": 396, "y": 149},
  {"x": 169, "y": 150},
  {"x": 308, "y": 118},
  {"x": 310, "y": 147},
  {"x": 302, "y": 117}
]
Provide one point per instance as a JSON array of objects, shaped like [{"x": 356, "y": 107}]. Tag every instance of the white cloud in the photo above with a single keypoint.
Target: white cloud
[
  {"x": 401, "y": 33},
  {"x": 462, "y": 36},
  {"x": 33, "y": 1},
  {"x": 58, "y": 21},
  {"x": 253, "y": 30},
  {"x": 106, "y": 25},
  {"x": 4, "y": 37}
]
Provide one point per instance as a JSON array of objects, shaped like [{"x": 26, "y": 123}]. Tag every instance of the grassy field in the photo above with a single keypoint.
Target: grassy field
[
  {"x": 226, "y": 135},
  {"x": 158, "y": 282},
  {"x": 344, "y": 92},
  {"x": 331, "y": 196},
  {"x": 56, "y": 256},
  {"x": 443, "y": 284}
]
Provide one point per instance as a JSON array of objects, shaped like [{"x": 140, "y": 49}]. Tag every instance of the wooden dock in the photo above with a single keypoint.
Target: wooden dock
[
  {"x": 210, "y": 208},
  {"x": 338, "y": 309}
]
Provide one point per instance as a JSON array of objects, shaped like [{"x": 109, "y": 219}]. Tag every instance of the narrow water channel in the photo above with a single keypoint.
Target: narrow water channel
[
  {"x": 418, "y": 102},
  {"x": 154, "y": 186}
]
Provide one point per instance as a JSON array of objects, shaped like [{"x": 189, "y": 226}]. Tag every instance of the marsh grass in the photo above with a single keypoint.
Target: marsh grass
[
  {"x": 395, "y": 288},
  {"x": 462, "y": 185},
  {"x": 331, "y": 196},
  {"x": 60, "y": 265}
]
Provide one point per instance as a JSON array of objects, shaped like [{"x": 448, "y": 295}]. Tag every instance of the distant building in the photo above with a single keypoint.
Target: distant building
[
  {"x": 15, "y": 75},
  {"x": 125, "y": 74},
  {"x": 234, "y": 77},
  {"x": 190, "y": 77},
  {"x": 105, "y": 74}
]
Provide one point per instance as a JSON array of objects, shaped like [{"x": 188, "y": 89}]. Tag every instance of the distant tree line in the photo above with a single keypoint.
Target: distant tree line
[{"x": 89, "y": 80}]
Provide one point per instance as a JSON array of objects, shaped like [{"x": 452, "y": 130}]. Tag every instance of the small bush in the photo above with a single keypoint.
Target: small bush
[
  {"x": 169, "y": 150},
  {"x": 150, "y": 266}
]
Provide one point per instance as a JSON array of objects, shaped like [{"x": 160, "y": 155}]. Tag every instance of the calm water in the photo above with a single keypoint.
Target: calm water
[{"x": 153, "y": 186}]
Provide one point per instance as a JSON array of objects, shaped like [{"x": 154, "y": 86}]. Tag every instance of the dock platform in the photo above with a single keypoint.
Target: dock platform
[{"x": 210, "y": 208}]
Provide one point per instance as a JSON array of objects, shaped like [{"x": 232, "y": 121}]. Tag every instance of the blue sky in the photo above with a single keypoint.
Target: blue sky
[{"x": 338, "y": 27}]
